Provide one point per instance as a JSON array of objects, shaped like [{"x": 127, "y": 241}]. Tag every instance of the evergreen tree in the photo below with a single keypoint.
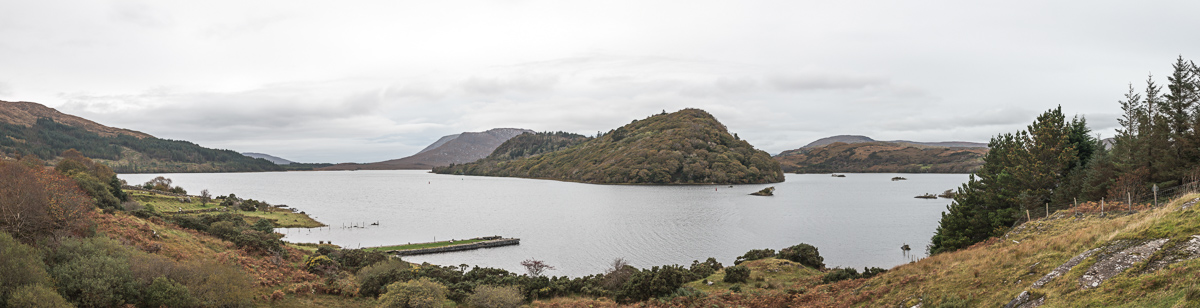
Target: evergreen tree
[{"x": 1021, "y": 172}]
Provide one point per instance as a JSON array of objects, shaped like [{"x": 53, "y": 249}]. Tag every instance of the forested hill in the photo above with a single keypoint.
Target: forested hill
[
  {"x": 877, "y": 156},
  {"x": 33, "y": 129},
  {"x": 688, "y": 146}
]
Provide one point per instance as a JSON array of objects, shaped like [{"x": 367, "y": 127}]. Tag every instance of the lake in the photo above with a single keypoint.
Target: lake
[{"x": 858, "y": 221}]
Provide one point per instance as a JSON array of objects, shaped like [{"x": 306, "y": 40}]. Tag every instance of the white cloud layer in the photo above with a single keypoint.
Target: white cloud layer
[{"x": 376, "y": 80}]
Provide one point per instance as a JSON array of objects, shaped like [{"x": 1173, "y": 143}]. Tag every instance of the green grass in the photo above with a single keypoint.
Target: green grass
[
  {"x": 283, "y": 218},
  {"x": 423, "y": 245},
  {"x": 767, "y": 274}
]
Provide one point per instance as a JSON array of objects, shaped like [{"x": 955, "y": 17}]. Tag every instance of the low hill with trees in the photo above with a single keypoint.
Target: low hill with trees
[
  {"x": 33, "y": 129},
  {"x": 688, "y": 146},
  {"x": 879, "y": 156}
]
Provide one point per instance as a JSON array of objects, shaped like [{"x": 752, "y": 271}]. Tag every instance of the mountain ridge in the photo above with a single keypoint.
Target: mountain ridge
[
  {"x": 28, "y": 128},
  {"x": 272, "y": 158},
  {"x": 452, "y": 149},
  {"x": 861, "y": 138}
]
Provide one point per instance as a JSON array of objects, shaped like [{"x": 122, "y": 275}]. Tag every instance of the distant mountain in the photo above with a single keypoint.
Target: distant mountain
[
  {"x": 859, "y": 139},
  {"x": 439, "y": 142},
  {"x": 839, "y": 138},
  {"x": 688, "y": 146},
  {"x": 33, "y": 129},
  {"x": 878, "y": 156},
  {"x": 452, "y": 149},
  {"x": 268, "y": 157}
]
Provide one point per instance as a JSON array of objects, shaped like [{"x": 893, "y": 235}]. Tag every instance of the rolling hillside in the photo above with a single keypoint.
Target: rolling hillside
[{"x": 33, "y": 129}]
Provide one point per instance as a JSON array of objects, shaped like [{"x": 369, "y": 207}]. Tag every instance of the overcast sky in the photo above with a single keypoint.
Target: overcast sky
[{"x": 364, "y": 81}]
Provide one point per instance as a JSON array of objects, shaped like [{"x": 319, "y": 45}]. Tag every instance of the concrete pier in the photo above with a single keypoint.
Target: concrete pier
[{"x": 490, "y": 242}]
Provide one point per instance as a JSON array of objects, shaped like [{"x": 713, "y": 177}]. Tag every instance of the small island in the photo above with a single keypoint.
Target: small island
[
  {"x": 684, "y": 147},
  {"x": 769, "y": 191}
]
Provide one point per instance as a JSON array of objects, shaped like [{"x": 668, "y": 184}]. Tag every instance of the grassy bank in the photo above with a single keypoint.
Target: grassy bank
[{"x": 283, "y": 218}]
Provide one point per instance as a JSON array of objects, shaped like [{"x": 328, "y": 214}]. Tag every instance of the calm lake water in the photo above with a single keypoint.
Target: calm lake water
[{"x": 856, "y": 221}]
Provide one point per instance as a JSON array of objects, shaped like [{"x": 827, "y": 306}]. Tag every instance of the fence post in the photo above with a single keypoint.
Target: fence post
[
  {"x": 1047, "y": 209},
  {"x": 1101, "y": 206},
  {"x": 1075, "y": 209},
  {"x": 1129, "y": 199},
  {"x": 1027, "y": 215}
]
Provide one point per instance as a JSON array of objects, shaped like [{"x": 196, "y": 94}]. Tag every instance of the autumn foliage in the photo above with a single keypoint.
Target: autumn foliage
[{"x": 37, "y": 201}]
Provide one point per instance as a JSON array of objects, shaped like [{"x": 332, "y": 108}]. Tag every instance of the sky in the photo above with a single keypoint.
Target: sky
[{"x": 366, "y": 81}]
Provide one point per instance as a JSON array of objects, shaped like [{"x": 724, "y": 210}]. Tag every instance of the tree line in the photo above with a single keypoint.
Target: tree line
[
  {"x": 1056, "y": 161},
  {"x": 46, "y": 138}
]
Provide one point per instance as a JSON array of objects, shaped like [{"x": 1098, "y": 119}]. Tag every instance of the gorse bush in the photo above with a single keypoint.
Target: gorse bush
[
  {"x": 705, "y": 269},
  {"x": 654, "y": 282},
  {"x": 737, "y": 274},
  {"x": 755, "y": 254},
  {"x": 840, "y": 274},
  {"x": 804, "y": 254}
]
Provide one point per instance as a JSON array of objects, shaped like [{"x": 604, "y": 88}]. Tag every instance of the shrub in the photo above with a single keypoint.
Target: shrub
[
  {"x": 264, "y": 226},
  {"x": 755, "y": 254},
  {"x": 19, "y": 265},
  {"x": 872, "y": 272},
  {"x": 487, "y": 296},
  {"x": 37, "y": 295},
  {"x": 320, "y": 265},
  {"x": 737, "y": 273},
  {"x": 840, "y": 274},
  {"x": 372, "y": 279},
  {"x": 707, "y": 268},
  {"x": 217, "y": 285},
  {"x": 655, "y": 282},
  {"x": 804, "y": 254},
  {"x": 417, "y": 293},
  {"x": 96, "y": 280},
  {"x": 168, "y": 293}
]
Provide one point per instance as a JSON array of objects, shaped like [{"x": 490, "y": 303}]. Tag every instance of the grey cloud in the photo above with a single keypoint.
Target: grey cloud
[
  {"x": 951, "y": 119},
  {"x": 514, "y": 83},
  {"x": 244, "y": 27},
  {"x": 812, "y": 82},
  {"x": 138, "y": 13}
]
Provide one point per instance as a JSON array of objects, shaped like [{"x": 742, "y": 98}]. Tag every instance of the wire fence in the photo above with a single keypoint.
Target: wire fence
[{"x": 1143, "y": 199}]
